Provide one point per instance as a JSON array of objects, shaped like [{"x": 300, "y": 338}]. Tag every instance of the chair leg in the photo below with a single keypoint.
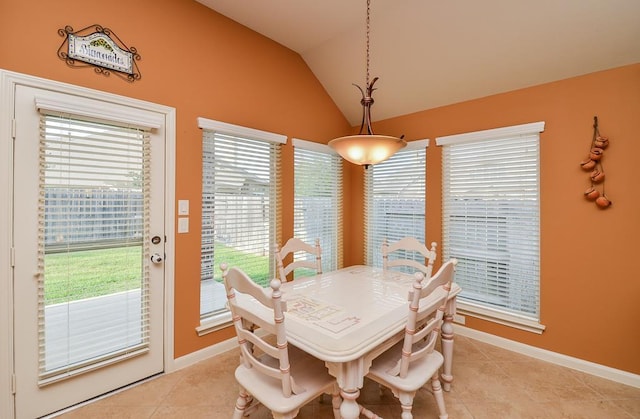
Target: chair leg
[
  {"x": 368, "y": 413},
  {"x": 336, "y": 400},
  {"x": 406, "y": 402},
  {"x": 439, "y": 395},
  {"x": 244, "y": 399}
]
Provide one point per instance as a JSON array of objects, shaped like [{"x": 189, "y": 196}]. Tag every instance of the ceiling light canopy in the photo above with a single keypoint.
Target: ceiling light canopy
[{"x": 367, "y": 149}]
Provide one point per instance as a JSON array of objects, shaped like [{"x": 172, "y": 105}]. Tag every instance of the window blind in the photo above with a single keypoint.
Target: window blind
[
  {"x": 395, "y": 197},
  {"x": 240, "y": 190},
  {"x": 491, "y": 218},
  {"x": 93, "y": 216},
  {"x": 318, "y": 200}
]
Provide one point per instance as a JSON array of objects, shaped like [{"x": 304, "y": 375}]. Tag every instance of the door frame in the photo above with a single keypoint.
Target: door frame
[{"x": 8, "y": 81}]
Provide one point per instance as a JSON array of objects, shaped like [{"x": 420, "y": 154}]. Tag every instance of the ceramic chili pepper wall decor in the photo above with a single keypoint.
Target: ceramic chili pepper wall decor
[{"x": 593, "y": 164}]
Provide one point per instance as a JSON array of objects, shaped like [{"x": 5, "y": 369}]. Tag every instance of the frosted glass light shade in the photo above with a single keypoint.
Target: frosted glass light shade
[{"x": 367, "y": 149}]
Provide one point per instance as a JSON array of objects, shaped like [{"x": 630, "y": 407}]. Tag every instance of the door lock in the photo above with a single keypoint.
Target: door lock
[{"x": 156, "y": 258}]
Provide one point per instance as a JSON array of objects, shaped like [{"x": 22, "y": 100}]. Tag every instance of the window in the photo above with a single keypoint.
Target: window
[
  {"x": 240, "y": 188},
  {"x": 318, "y": 199},
  {"x": 395, "y": 200},
  {"x": 94, "y": 214},
  {"x": 491, "y": 221}
]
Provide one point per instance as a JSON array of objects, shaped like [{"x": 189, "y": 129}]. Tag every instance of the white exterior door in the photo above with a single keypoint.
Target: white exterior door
[{"x": 89, "y": 246}]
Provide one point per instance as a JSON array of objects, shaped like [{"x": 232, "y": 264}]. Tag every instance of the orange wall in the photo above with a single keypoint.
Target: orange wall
[
  {"x": 206, "y": 65},
  {"x": 201, "y": 63},
  {"x": 590, "y": 279}
]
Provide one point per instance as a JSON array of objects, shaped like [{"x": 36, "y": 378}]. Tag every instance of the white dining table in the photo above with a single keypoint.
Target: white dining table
[{"x": 350, "y": 316}]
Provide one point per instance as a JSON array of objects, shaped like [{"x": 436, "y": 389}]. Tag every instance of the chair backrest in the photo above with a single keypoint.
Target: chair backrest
[
  {"x": 443, "y": 278},
  {"x": 253, "y": 305},
  {"x": 312, "y": 257},
  {"x": 408, "y": 244},
  {"x": 425, "y": 316}
]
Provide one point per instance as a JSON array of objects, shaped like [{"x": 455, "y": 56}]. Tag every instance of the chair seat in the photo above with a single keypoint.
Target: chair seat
[
  {"x": 420, "y": 372},
  {"x": 309, "y": 373}
]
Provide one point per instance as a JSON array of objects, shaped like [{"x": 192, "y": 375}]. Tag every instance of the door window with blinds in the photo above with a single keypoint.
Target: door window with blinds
[
  {"x": 491, "y": 219},
  {"x": 93, "y": 218},
  {"x": 240, "y": 190},
  {"x": 395, "y": 201},
  {"x": 318, "y": 200}
]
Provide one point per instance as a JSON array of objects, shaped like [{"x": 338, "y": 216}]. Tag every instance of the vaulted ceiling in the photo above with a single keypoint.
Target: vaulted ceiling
[{"x": 430, "y": 53}]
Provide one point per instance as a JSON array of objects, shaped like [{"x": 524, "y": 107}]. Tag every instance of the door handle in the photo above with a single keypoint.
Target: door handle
[{"x": 156, "y": 258}]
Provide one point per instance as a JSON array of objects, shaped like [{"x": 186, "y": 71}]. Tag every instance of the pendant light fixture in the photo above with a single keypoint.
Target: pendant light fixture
[{"x": 367, "y": 149}]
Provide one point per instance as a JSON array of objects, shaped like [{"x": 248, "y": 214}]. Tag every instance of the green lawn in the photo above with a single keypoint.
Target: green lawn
[
  {"x": 255, "y": 266},
  {"x": 92, "y": 273}
]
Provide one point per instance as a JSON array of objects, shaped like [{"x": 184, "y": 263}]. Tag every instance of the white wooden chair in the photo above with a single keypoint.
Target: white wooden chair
[
  {"x": 412, "y": 362},
  {"x": 296, "y": 247},
  {"x": 402, "y": 246},
  {"x": 280, "y": 377}
]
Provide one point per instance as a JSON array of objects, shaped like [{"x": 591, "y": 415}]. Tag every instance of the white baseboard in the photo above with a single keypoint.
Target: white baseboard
[
  {"x": 588, "y": 367},
  {"x": 202, "y": 354}
]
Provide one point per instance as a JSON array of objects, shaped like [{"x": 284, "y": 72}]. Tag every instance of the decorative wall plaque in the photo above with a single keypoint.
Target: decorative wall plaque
[{"x": 99, "y": 47}]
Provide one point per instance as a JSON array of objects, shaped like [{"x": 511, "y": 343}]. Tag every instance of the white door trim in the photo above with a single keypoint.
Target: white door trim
[{"x": 8, "y": 81}]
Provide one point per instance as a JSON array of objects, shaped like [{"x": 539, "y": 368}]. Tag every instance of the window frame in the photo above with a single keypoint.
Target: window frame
[
  {"x": 73, "y": 183},
  {"x": 221, "y": 319},
  {"x": 373, "y": 246},
  {"x": 332, "y": 257},
  {"x": 483, "y": 311}
]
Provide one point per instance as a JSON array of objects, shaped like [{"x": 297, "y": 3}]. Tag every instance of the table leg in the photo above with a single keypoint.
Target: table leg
[
  {"x": 350, "y": 378},
  {"x": 447, "y": 345},
  {"x": 349, "y": 408}
]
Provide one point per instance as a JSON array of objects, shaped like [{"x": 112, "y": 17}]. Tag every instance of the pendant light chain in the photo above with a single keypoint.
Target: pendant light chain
[{"x": 368, "y": 29}]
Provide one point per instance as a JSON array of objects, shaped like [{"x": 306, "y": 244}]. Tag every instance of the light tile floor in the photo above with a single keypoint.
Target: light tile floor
[{"x": 490, "y": 382}]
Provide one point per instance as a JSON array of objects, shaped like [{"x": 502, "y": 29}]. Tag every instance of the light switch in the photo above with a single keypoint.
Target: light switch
[
  {"x": 183, "y": 225},
  {"x": 183, "y": 207}
]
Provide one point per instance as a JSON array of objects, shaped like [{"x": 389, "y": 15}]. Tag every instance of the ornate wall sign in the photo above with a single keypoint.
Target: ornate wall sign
[{"x": 100, "y": 48}]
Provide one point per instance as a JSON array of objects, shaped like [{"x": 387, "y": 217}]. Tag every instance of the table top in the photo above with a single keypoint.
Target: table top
[{"x": 340, "y": 316}]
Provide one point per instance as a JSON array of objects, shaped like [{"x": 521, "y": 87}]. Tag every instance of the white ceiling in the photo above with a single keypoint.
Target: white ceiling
[{"x": 430, "y": 53}]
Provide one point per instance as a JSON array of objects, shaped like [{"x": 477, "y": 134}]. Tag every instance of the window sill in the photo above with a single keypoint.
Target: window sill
[
  {"x": 214, "y": 323},
  {"x": 527, "y": 324}
]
